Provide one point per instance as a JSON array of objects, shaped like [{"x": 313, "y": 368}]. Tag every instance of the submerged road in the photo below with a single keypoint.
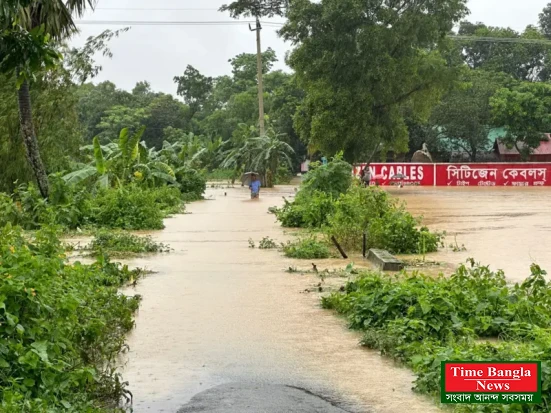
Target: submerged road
[{"x": 223, "y": 327}]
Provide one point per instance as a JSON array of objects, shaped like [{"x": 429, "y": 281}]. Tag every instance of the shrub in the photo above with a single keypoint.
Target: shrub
[
  {"x": 222, "y": 175},
  {"x": 191, "y": 183},
  {"x": 422, "y": 320},
  {"x": 283, "y": 175},
  {"x": 130, "y": 208},
  {"x": 61, "y": 327},
  {"x": 387, "y": 224},
  {"x": 123, "y": 243},
  {"x": 307, "y": 248},
  {"x": 334, "y": 178}
]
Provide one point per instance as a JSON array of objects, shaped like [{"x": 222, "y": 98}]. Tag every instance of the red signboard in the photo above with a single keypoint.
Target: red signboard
[
  {"x": 496, "y": 174},
  {"x": 488, "y": 174},
  {"x": 399, "y": 173}
]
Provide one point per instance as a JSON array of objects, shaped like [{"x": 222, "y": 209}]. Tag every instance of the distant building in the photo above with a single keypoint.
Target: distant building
[{"x": 541, "y": 154}]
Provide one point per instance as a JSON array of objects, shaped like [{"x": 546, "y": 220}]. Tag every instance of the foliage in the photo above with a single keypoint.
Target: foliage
[
  {"x": 464, "y": 115},
  {"x": 62, "y": 327},
  {"x": 525, "y": 62},
  {"x": 334, "y": 178},
  {"x": 307, "y": 248},
  {"x": 420, "y": 320},
  {"x": 256, "y": 8},
  {"x": 261, "y": 154},
  {"x": 374, "y": 60},
  {"x": 191, "y": 183},
  {"x": 267, "y": 243},
  {"x": 116, "y": 243},
  {"x": 132, "y": 208},
  {"x": 525, "y": 111},
  {"x": 387, "y": 224},
  {"x": 328, "y": 201},
  {"x": 195, "y": 88}
]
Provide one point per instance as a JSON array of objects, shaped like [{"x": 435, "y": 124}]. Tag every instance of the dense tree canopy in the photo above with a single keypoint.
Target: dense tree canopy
[{"x": 360, "y": 62}]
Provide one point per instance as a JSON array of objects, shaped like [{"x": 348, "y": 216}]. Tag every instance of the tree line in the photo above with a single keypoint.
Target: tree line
[{"x": 368, "y": 78}]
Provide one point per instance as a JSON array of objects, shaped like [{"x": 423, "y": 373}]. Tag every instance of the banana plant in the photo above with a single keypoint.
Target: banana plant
[{"x": 117, "y": 163}]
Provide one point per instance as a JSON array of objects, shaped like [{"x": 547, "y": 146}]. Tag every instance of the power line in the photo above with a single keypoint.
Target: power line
[
  {"x": 500, "y": 40},
  {"x": 153, "y": 9},
  {"x": 174, "y": 23}
]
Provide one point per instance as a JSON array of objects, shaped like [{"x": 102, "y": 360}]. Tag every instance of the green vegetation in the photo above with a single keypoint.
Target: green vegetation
[
  {"x": 267, "y": 244},
  {"x": 307, "y": 248},
  {"x": 472, "y": 315},
  {"x": 129, "y": 207},
  {"x": 329, "y": 201},
  {"x": 61, "y": 326},
  {"x": 123, "y": 244}
]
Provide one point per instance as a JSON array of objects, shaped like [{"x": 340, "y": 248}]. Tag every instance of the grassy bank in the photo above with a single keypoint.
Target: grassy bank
[
  {"x": 472, "y": 315},
  {"x": 61, "y": 326}
]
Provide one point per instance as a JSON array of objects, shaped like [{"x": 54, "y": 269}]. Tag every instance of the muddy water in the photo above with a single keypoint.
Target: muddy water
[
  {"x": 505, "y": 228},
  {"x": 219, "y": 312}
]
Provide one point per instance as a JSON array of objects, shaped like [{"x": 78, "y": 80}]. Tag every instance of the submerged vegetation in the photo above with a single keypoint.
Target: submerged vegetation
[
  {"x": 472, "y": 315},
  {"x": 61, "y": 326},
  {"x": 123, "y": 244},
  {"x": 331, "y": 202}
]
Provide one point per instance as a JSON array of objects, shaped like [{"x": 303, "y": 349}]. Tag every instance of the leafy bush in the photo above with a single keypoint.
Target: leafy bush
[
  {"x": 283, "y": 175},
  {"x": 334, "y": 178},
  {"x": 387, "y": 224},
  {"x": 357, "y": 211},
  {"x": 267, "y": 243},
  {"x": 192, "y": 183},
  {"x": 308, "y": 211},
  {"x": 130, "y": 208},
  {"x": 122, "y": 243},
  {"x": 421, "y": 320},
  {"x": 61, "y": 327},
  {"x": 307, "y": 248},
  {"x": 222, "y": 175}
]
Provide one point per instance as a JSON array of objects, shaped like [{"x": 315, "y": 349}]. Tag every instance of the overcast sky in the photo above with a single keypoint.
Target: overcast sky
[{"x": 158, "y": 53}]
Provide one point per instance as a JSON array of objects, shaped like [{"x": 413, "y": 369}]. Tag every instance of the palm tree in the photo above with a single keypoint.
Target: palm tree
[
  {"x": 263, "y": 154},
  {"x": 33, "y": 23}
]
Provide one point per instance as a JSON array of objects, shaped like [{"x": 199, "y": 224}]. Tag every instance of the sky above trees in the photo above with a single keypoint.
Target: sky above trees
[{"x": 156, "y": 53}]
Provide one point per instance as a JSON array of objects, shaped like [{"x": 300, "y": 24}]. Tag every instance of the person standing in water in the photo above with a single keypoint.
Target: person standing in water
[{"x": 255, "y": 187}]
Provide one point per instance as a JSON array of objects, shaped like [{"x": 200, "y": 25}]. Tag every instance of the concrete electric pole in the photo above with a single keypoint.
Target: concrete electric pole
[{"x": 260, "y": 84}]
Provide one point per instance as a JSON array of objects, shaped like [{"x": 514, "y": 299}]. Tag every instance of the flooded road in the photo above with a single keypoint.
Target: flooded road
[
  {"x": 505, "y": 228},
  {"x": 219, "y": 314}
]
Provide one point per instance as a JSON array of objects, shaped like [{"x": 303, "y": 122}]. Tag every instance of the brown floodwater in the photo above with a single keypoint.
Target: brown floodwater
[
  {"x": 219, "y": 312},
  {"x": 505, "y": 228}
]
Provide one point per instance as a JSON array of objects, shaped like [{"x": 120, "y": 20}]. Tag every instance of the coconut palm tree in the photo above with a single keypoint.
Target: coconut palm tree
[{"x": 30, "y": 28}]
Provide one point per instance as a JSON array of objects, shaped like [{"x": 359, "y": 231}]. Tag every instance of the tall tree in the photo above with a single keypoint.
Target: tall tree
[
  {"x": 195, "y": 88},
  {"x": 25, "y": 48},
  {"x": 525, "y": 111},
  {"x": 464, "y": 115},
  {"x": 360, "y": 62},
  {"x": 521, "y": 60},
  {"x": 545, "y": 21},
  {"x": 256, "y": 8}
]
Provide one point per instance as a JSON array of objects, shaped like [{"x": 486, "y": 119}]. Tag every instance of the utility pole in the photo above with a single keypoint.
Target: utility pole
[{"x": 259, "y": 69}]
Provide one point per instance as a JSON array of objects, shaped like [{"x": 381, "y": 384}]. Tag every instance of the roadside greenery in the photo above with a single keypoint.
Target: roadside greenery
[
  {"x": 61, "y": 326},
  {"x": 123, "y": 244},
  {"x": 472, "y": 315},
  {"x": 307, "y": 248},
  {"x": 130, "y": 207},
  {"x": 330, "y": 201}
]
